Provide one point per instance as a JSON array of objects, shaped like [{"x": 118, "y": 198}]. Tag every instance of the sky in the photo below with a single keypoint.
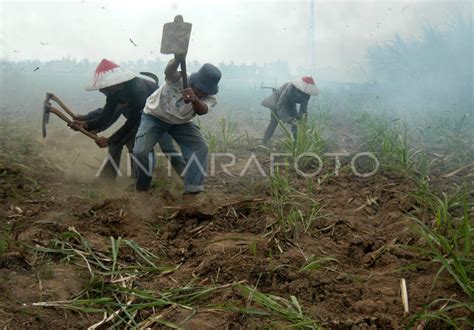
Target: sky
[{"x": 223, "y": 31}]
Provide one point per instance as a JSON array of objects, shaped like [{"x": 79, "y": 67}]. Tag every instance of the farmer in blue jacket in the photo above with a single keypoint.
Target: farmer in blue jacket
[{"x": 126, "y": 95}]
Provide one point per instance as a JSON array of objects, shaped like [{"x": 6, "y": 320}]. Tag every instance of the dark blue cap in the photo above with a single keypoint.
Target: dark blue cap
[{"x": 206, "y": 79}]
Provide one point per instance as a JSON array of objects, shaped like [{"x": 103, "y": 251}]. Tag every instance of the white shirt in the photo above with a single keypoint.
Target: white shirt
[{"x": 167, "y": 104}]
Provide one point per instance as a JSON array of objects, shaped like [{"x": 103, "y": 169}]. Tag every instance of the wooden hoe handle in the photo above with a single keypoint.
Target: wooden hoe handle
[
  {"x": 51, "y": 96},
  {"x": 69, "y": 121}
]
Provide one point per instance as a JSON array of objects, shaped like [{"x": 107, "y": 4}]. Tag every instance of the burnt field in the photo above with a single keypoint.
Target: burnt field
[
  {"x": 254, "y": 251},
  {"x": 362, "y": 220}
]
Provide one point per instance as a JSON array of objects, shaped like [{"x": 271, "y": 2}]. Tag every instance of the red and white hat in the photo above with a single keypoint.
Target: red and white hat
[
  {"x": 109, "y": 74},
  {"x": 307, "y": 85}
]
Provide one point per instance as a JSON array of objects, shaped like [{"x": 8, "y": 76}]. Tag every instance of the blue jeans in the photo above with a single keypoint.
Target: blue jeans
[
  {"x": 115, "y": 152},
  {"x": 192, "y": 144}
]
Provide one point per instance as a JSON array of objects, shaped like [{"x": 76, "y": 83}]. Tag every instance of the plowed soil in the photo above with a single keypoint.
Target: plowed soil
[{"x": 227, "y": 235}]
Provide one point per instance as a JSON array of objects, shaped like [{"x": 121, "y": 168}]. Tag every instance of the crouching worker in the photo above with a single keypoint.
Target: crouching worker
[
  {"x": 170, "y": 110},
  {"x": 126, "y": 95},
  {"x": 283, "y": 102}
]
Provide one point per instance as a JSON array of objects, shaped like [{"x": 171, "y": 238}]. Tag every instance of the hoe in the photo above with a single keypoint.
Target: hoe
[{"x": 48, "y": 108}]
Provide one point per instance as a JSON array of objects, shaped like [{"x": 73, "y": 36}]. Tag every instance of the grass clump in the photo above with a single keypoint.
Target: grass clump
[
  {"x": 291, "y": 206},
  {"x": 308, "y": 138},
  {"x": 314, "y": 263},
  {"x": 447, "y": 241},
  {"x": 114, "y": 287},
  {"x": 287, "y": 310},
  {"x": 390, "y": 142}
]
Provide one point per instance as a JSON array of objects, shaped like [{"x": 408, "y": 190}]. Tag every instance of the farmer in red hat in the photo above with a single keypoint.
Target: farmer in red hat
[
  {"x": 126, "y": 95},
  {"x": 283, "y": 103}
]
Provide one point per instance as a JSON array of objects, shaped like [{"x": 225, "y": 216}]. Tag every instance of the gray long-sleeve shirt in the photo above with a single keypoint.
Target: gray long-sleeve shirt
[{"x": 283, "y": 102}]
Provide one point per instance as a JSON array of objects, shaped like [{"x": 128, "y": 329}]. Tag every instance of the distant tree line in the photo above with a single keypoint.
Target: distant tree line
[{"x": 272, "y": 70}]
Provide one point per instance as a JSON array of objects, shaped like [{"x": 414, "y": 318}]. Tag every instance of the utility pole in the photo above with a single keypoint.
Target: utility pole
[{"x": 311, "y": 38}]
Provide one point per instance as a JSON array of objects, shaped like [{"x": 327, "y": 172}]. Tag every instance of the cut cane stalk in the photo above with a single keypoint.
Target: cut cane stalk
[{"x": 403, "y": 288}]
